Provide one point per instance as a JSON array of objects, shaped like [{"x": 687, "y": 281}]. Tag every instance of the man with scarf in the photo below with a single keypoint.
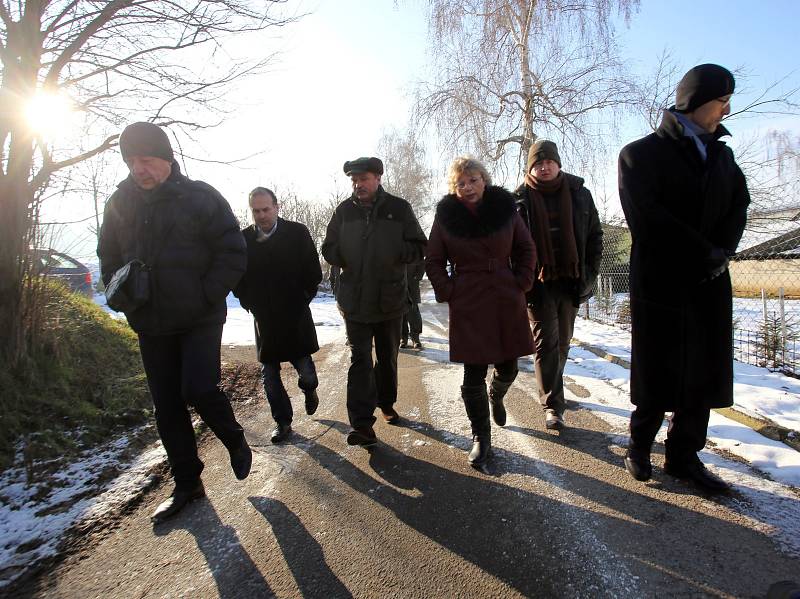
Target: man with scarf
[
  {"x": 685, "y": 200},
  {"x": 186, "y": 234},
  {"x": 565, "y": 226}
]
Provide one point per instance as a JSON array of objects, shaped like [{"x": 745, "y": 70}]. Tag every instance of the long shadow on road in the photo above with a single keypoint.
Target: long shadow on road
[
  {"x": 300, "y": 550},
  {"x": 233, "y": 570},
  {"x": 514, "y": 534}
]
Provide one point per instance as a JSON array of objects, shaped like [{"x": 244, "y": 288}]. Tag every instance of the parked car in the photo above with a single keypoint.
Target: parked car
[{"x": 56, "y": 265}]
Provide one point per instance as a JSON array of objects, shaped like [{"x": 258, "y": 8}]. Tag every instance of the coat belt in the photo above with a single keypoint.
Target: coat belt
[{"x": 490, "y": 265}]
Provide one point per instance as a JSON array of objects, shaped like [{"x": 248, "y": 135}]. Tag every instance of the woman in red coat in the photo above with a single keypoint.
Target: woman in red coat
[{"x": 491, "y": 255}]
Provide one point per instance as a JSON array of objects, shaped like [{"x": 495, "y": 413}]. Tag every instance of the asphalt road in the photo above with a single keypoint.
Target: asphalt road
[{"x": 556, "y": 515}]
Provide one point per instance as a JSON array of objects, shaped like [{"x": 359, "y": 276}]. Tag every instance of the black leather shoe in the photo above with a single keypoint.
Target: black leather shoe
[
  {"x": 638, "y": 465},
  {"x": 365, "y": 437},
  {"x": 480, "y": 450},
  {"x": 418, "y": 345},
  {"x": 280, "y": 433},
  {"x": 312, "y": 401},
  {"x": 178, "y": 500},
  {"x": 403, "y": 343},
  {"x": 696, "y": 471},
  {"x": 241, "y": 460},
  {"x": 390, "y": 415}
]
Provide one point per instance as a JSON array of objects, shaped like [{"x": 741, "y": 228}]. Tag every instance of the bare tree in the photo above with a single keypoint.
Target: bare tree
[
  {"x": 406, "y": 173},
  {"x": 509, "y": 71},
  {"x": 115, "y": 60}
]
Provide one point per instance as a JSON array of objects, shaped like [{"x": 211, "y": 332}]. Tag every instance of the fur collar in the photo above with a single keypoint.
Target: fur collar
[{"x": 494, "y": 212}]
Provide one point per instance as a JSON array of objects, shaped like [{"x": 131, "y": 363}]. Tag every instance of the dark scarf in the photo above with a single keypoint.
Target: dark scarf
[{"x": 567, "y": 266}]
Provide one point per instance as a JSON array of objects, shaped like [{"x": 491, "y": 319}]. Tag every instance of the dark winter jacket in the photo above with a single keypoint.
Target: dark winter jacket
[
  {"x": 373, "y": 248},
  {"x": 588, "y": 233},
  {"x": 185, "y": 231},
  {"x": 679, "y": 208},
  {"x": 282, "y": 277},
  {"x": 493, "y": 257},
  {"x": 414, "y": 274}
]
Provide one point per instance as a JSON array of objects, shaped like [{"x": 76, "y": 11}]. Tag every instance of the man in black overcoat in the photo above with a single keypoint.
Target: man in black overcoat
[
  {"x": 685, "y": 200},
  {"x": 186, "y": 234},
  {"x": 282, "y": 277}
]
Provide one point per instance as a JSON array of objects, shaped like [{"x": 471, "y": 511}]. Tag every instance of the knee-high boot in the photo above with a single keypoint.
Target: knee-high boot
[
  {"x": 497, "y": 391},
  {"x": 476, "y": 401}
]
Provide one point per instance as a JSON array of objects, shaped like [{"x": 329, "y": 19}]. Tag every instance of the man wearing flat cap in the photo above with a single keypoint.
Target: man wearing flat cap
[
  {"x": 189, "y": 240},
  {"x": 565, "y": 227},
  {"x": 372, "y": 236},
  {"x": 685, "y": 200}
]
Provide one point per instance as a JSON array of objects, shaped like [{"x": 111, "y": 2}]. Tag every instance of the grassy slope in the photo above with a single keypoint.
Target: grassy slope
[{"x": 84, "y": 384}]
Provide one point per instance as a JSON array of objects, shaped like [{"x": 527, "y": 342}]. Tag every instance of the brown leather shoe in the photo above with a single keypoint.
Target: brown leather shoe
[
  {"x": 365, "y": 437},
  {"x": 178, "y": 500},
  {"x": 390, "y": 415}
]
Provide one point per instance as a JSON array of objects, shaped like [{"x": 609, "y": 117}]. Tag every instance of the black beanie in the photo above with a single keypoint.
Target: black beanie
[
  {"x": 702, "y": 84},
  {"x": 543, "y": 149},
  {"x": 145, "y": 139}
]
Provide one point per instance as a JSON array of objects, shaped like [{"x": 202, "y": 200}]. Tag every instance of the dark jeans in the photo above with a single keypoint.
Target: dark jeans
[
  {"x": 552, "y": 316},
  {"x": 475, "y": 374},
  {"x": 686, "y": 433},
  {"x": 371, "y": 385},
  {"x": 412, "y": 322},
  {"x": 184, "y": 370},
  {"x": 278, "y": 399}
]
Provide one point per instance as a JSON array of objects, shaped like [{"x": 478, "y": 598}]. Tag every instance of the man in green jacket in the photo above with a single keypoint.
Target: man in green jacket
[{"x": 372, "y": 236}]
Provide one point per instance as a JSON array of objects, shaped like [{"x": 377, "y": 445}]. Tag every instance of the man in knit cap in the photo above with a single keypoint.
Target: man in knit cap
[
  {"x": 685, "y": 200},
  {"x": 189, "y": 240},
  {"x": 565, "y": 227}
]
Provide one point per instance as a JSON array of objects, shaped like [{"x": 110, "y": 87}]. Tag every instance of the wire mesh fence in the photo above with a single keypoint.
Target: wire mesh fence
[{"x": 766, "y": 302}]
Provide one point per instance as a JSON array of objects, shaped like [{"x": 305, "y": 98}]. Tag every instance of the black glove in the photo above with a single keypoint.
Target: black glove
[{"x": 716, "y": 263}]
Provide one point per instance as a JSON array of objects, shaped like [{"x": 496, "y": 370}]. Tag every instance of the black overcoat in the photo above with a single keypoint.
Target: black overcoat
[
  {"x": 187, "y": 234},
  {"x": 282, "y": 277},
  {"x": 679, "y": 208}
]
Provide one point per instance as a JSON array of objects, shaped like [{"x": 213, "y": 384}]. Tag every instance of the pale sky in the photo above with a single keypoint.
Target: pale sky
[{"x": 346, "y": 72}]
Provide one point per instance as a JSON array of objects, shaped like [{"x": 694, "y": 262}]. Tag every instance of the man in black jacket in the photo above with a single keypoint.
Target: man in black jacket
[
  {"x": 282, "y": 277},
  {"x": 186, "y": 234},
  {"x": 565, "y": 226},
  {"x": 685, "y": 200},
  {"x": 372, "y": 236}
]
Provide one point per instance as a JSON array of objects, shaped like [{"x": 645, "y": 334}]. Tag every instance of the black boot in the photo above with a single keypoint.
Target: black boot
[
  {"x": 497, "y": 391},
  {"x": 476, "y": 401}
]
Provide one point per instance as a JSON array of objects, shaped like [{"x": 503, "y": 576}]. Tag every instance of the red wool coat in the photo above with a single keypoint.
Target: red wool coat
[{"x": 492, "y": 257}]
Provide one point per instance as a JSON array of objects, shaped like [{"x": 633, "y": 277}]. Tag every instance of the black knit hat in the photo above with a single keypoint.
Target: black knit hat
[
  {"x": 363, "y": 165},
  {"x": 543, "y": 149},
  {"x": 145, "y": 139},
  {"x": 702, "y": 84}
]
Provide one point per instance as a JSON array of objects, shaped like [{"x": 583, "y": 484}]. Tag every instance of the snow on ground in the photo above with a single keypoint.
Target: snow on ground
[{"x": 33, "y": 518}]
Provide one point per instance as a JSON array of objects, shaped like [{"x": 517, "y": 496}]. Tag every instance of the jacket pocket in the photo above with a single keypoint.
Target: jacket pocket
[
  {"x": 347, "y": 295},
  {"x": 393, "y": 295}
]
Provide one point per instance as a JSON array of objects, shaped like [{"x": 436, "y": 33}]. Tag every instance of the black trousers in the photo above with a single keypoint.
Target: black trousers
[
  {"x": 686, "y": 433},
  {"x": 412, "y": 322},
  {"x": 552, "y": 316},
  {"x": 475, "y": 374},
  {"x": 370, "y": 385},
  {"x": 184, "y": 370}
]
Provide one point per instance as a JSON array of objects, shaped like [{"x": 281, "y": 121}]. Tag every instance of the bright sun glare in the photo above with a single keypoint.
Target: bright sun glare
[{"x": 49, "y": 114}]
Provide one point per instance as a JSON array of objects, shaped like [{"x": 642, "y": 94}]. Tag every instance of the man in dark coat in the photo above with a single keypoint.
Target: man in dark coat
[
  {"x": 685, "y": 200},
  {"x": 372, "y": 236},
  {"x": 565, "y": 226},
  {"x": 186, "y": 234},
  {"x": 412, "y": 320},
  {"x": 282, "y": 277}
]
